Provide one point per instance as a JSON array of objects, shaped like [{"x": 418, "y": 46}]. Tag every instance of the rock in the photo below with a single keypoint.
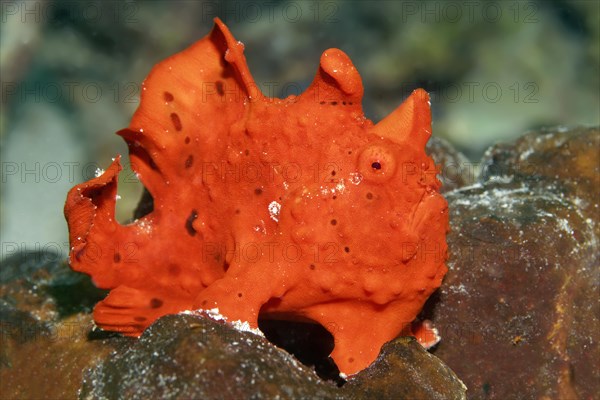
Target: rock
[
  {"x": 185, "y": 356},
  {"x": 45, "y": 325},
  {"x": 519, "y": 309},
  {"x": 455, "y": 169},
  {"x": 405, "y": 370},
  {"x": 563, "y": 161},
  {"x": 41, "y": 283}
]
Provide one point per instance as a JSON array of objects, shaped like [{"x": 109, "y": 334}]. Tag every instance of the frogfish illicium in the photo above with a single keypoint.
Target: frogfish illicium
[{"x": 297, "y": 209}]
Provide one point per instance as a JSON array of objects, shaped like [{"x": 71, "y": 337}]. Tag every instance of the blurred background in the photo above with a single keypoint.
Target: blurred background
[{"x": 71, "y": 73}]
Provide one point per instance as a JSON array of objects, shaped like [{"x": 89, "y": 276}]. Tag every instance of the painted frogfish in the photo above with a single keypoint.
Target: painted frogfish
[{"x": 298, "y": 208}]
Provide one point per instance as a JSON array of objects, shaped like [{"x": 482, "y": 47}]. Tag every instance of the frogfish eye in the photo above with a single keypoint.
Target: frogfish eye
[{"x": 377, "y": 163}]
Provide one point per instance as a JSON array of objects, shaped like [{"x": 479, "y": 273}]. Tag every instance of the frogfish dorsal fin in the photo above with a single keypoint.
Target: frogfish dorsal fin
[
  {"x": 180, "y": 100},
  {"x": 234, "y": 55},
  {"x": 410, "y": 123},
  {"x": 337, "y": 80}
]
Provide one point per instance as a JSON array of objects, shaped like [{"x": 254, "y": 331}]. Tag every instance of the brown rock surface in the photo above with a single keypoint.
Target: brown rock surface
[
  {"x": 405, "y": 370},
  {"x": 185, "y": 356},
  {"x": 455, "y": 169},
  {"x": 519, "y": 311},
  {"x": 45, "y": 324}
]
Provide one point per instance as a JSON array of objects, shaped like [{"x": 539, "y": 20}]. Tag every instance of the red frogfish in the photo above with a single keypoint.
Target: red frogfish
[{"x": 298, "y": 208}]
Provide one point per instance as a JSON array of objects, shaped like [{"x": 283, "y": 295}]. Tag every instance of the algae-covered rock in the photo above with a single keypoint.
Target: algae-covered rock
[
  {"x": 405, "y": 370},
  {"x": 184, "y": 356},
  {"x": 45, "y": 326},
  {"x": 455, "y": 170},
  {"x": 519, "y": 309}
]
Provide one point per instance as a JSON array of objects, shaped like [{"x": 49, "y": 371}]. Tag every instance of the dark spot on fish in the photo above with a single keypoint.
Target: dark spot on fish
[
  {"x": 156, "y": 303},
  {"x": 334, "y": 197},
  {"x": 246, "y": 152},
  {"x": 333, "y": 222},
  {"x": 376, "y": 165},
  {"x": 80, "y": 254},
  {"x": 152, "y": 164},
  {"x": 117, "y": 258},
  {"x": 189, "y": 161},
  {"x": 349, "y": 151},
  {"x": 204, "y": 302},
  {"x": 187, "y": 140},
  {"x": 189, "y": 223},
  {"x": 174, "y": 269},
  {"x": 176, "y": 121},
  {"x": 220, "y": 89},
  {"x": 237, "y": 211},
  {"x": 258, "y": 191},
  {"x": 332, "y": 173},
  {"x": 168, "y": 97},
  {"x": 369, "y": 195},
  {"x": 347, "y": 249},
  {"x": 240, "y": 295},
  {"x": 312, "y": 266},
  {"x": 343, "y": 102},
  {"x": 351, "y": 360},
  {"x": 350, "y": 103},
  {"x": 139, "y": 319},
  {"x": 321, "y": 102},
  {"x": 333, "y": 103}
]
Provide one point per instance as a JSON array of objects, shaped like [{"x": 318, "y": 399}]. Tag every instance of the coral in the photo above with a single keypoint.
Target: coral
[{"x": 298, "y": 208}]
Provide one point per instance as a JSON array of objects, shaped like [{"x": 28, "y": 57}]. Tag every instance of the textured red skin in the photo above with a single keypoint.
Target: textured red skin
[{"x": 354, "y": 248}]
